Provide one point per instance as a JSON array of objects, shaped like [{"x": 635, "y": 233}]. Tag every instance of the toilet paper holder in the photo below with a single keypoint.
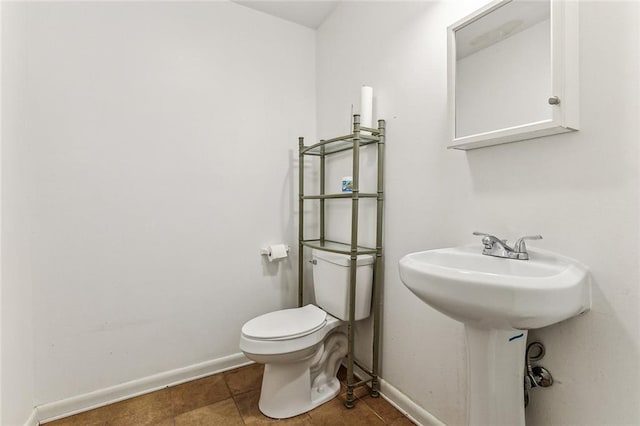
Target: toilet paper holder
[{"x": 265, "y": 251}]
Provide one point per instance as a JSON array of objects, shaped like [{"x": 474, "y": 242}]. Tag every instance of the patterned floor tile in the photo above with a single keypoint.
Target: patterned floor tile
[
  {"x": 198, "y": 393},
  {"x": 223, "y": 413},
  {"x": 244, "y": 379}
]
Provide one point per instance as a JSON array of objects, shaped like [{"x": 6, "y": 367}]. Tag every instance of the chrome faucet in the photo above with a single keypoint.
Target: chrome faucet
[{"x": 493, "y": 246}]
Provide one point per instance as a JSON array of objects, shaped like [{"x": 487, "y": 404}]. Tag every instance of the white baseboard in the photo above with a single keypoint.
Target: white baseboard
[
  {"x": 403, "y": 403},
  {"x": 33, "y": 418},
  {"x": 88, "y": 401}
]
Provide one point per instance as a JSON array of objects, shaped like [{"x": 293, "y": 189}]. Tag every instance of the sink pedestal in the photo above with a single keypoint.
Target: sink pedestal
[{"x": 496, "y": 376}]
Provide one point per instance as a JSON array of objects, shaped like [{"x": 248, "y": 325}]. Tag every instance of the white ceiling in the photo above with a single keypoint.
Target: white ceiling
[{"x": 310, "y": 13}]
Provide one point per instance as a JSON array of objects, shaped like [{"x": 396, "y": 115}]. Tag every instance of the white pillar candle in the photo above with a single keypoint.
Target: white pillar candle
[{"x": 366, "y": 107}]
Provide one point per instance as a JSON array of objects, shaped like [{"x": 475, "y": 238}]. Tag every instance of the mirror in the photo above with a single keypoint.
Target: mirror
[{"x": 513, "y": 73}]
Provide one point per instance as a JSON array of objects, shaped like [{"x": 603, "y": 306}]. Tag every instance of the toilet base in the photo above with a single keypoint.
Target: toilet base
[
  {"x": 288, "y": 394},
  {"x": 290, "y": 389}
]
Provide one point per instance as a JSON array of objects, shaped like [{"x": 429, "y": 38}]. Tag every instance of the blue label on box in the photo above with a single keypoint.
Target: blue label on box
[{"x": 347, "y": 185}]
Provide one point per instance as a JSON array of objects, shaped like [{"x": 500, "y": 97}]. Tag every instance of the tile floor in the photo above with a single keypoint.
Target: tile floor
[{"x": 230, "y": 398}]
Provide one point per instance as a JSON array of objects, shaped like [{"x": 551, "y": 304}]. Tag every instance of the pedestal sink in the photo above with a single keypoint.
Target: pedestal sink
[{"x": 498, "y": 300}]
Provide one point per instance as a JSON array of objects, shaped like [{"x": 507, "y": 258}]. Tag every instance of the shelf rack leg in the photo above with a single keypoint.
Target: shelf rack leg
[
  {"x": 354, "y": 259},
  {"x": 300, "y": 221},
  {"x": 379, "y": 271},
  {"x": 322, "y": 192}
]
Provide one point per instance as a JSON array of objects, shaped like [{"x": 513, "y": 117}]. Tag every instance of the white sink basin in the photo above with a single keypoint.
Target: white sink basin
[
  {"x": 495, "y": 292},
  {"x": 498, "y": 300}
]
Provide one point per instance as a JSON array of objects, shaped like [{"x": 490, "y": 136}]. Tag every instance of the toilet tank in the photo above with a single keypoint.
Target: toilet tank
[{"x": 331, "y": 283}]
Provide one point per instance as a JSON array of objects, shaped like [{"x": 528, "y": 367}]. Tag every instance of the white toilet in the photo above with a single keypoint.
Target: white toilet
[{"x": 302, "y": 347}]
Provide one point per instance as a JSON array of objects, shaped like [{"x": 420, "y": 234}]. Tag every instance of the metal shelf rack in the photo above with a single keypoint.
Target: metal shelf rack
[{"x": 323, "y": 149}]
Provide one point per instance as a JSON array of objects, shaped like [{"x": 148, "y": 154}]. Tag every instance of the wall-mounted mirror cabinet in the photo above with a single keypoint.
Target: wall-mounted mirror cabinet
[{"x": 513, "y": 72}]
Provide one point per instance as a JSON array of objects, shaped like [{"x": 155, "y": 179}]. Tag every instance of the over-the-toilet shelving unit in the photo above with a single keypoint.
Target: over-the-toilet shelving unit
[{"x": 360, "y": 137}]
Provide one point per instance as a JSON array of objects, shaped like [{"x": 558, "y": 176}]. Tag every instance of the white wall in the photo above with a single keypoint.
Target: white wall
[
  {"x": 0, "y": 213},
  {"x": 580, "y": 191},
  {"x": 148, "y": 160},
  {"x": 17, "y": 386}
]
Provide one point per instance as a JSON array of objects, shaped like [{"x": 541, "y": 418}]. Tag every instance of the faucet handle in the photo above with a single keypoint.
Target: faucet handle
[
  {"x": 481, "y": 234},
  {"x": 485, "y": 235},
  {"x": 487, "y": 239},
  {"x": 520, "y": 246}
]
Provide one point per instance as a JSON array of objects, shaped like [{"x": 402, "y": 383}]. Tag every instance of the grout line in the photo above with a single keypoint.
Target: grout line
[
  {"x": 226, "y": 374},
  {"x": 170, "y": 390},
  {"x": 238, "y": 410},
  {"x": 233, "y": 398},
  {"x": 226, "y": 384},
  {"x": 374, "y": 412}
]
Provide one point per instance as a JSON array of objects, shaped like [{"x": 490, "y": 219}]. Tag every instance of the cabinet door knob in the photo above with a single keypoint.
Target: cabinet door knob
[{"x": 554, "y": 100}]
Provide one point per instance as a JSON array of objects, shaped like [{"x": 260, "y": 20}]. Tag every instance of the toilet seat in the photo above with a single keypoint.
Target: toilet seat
[
  {"x": 295, "y": 330},
  {"x": 285, "y": 324}
]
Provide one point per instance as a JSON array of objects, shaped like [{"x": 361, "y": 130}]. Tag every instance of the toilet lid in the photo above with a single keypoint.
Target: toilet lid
[{"x": 286, "y": 323}]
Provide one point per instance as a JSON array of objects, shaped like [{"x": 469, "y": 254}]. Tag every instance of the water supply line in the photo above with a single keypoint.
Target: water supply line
[{"x": 535, "y": 376}]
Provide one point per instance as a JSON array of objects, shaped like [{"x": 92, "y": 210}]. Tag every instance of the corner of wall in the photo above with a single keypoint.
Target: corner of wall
[
  {"x": 15, "y": 406},
  {"x": 33, "y": 418},
  {"x": 1, "y": 6}
]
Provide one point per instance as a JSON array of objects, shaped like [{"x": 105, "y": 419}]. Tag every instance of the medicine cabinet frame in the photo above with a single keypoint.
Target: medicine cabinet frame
[{"x": 564, "y": 80}]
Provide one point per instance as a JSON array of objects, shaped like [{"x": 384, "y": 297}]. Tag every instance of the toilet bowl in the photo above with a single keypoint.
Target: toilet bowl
[{"x": 302, "y": 347}]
